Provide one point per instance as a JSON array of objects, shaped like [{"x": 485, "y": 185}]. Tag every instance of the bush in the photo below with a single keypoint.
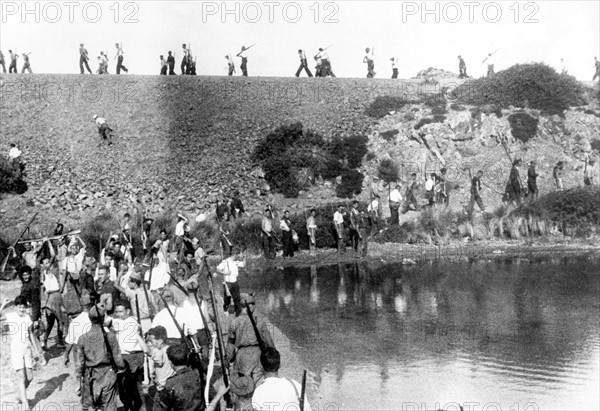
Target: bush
[
  {"x": 11, "y": 178},
  {"x": 388, "y": 171},
  {"x": 382, "y": 106},
  {"x": 523, "y": 126},
  {"x": 351, "y": 184},
  {"x": 437, "y": 221},
  {"x": 438, "y": 118},
  {"x": 288, "y": 149},
  {"x": 439, "y": 110},
  {"x": 456, "y": 107},
  {"x": 536, "y": 86},
  {"x": 370, "y": 156},
  {"x": 389, "y": 135},
  {"x": 96, "y": 232}
]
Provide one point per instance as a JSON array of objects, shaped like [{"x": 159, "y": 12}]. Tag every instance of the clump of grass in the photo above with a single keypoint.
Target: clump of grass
[
  {"x": 523, "y": 126},
  {"x": 383, "y": 105},
  {"x": 389, "y": 134}
]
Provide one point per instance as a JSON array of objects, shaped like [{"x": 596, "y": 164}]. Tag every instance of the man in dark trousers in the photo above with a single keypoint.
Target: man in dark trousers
[
  {"x": 476, "y": 193},
  {"x": 103, "y": 129},
  {"x": 370, "y": 60},
  {"x": 394, "y": 61},
  {"x": 119, "y": 57},
  {"x": 303, "y": 64},
  {"x": 244, "y": 56},
  {"x": 171, "y": 63},
  {"x": 514, "y": 188},
  {"x": 411, "y": 195},
  {"x": 243, "y": 346},
  {"x": 237, "y": 207},
  {"x": 183, "y": 390},
  {"x": 532, "y": 176},
  {"x": 462, "y": 68},
  {"x": 83, "y": 59},
  {"x": 13, "y": 62},
  {"x": 26, "y": 65},
  {"x": 99, "y": 362},
  {"x": 185, "y": 62},
  {"x": 163, "y": 66},
  {"x": 596, "y": 64}
]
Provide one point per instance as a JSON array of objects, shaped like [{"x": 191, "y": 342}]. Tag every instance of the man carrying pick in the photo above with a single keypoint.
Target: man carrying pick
[
  {"x": 119, "y": 57},
  {"x": 369, "y": 59}
]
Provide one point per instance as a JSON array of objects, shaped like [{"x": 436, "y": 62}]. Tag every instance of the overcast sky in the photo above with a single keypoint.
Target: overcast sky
[{"x": 520, "y": 31}]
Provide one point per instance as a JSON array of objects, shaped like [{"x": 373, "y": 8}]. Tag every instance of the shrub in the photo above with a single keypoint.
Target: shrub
[
  {"x": 438, "y": 118},
  {"x": 523, "y": 126},
  {"x": 595, "y": 145},
  {"x": 351, "y": 184},
  {"x": 389, "y": 134},
  {"x": 383, "y": 105},
  {"x": 536, "y": 85},
  {"x": 11, "y": 178},
  {"x": 456, "y": 107},
  {"x": 437, "y": 221},
  {"x": 439, "y": 110},
  {"x": 409, "y": 117},
  {"x": 388, "y": 171},
  {"x": 96, "y": 232},
  {"x": 370, "y": 156},
  {"x": 578, "y": 208},
  {"x": 288, "y": 149}
]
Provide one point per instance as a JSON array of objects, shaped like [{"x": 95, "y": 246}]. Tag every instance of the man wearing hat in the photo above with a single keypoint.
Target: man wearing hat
[
  {"x": 103, "y": 129},
  {"x": 242, "y": 345},
  {"x": 98, "y": 356}
]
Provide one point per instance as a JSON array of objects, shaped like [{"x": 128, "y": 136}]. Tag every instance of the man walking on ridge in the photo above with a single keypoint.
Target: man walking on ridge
[
  {"x": 303, "y": 64},
  {"x": 462, "y": 68},
  {"x": 83, "y": 59},
  {"x": 244, "y": 56},
  {"x": 370, "y": 60},
  {"x": 2, "y": 63},
  {"x": 119, "y": 57},
  {"x": 13, "y": 62},
  {"x": 596, "y": 63},
  {"x": 394, "y": 61},
  {"x": 26, "y": 65},
  {"x": 171, "y": 63}
]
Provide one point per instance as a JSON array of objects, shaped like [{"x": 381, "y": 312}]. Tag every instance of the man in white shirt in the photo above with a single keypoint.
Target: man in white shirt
[
  {"x": 163, "y": 318},
  {"x": 14, "y": 153},
  {"x": 229, "y": 268},
  {"x": 490, "y": 61},
  {"x": 429, "y": 188},
  {"x": 161, "y": 271},
  {"x": 338, "y": 222},
  {"x": 119, "y": 57},
  {"x": 133, "y": 347},
  {"x": 276, "y": 393},
  {"x": 103, "y": 129},
  {"x": 395, "y": 200},
  {"x": 325, "y": 63}
]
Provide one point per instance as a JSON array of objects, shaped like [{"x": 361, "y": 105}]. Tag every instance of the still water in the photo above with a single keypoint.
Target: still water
[{"x": 502, "y": 335}]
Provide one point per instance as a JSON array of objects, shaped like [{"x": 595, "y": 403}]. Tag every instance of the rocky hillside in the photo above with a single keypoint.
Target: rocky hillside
[{"x": 181, "y": 140}]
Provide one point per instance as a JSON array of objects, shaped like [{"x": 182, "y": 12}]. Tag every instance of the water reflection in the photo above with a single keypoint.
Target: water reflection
[{"x": 506, "y": 332}]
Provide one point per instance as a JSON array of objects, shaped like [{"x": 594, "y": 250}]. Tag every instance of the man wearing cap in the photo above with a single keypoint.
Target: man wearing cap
[
  {"x": 243, "y": 346},
  {"x": 103, "y": 129},
  {"x": 267, "y": 234},
  {"x": 133, "y": 347},
  {"x": 229, "y": 268},
  {"x": 96, "y": 362}
]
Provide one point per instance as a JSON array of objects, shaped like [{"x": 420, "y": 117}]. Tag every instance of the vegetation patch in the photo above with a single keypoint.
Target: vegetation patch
[
  {"x": 383, "y": 105},
  {"x": 438, "y": 118},
  {"x": 11, "y": 178},
  {"x": 283, "y": 152},
  {"x": 523, "y": 126},
  {"x": 536, "y": 86},
  {"x": 389, "y": 134}
]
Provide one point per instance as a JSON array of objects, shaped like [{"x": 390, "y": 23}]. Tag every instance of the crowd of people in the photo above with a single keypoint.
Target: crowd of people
[{"x": 138, "y": 327}]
